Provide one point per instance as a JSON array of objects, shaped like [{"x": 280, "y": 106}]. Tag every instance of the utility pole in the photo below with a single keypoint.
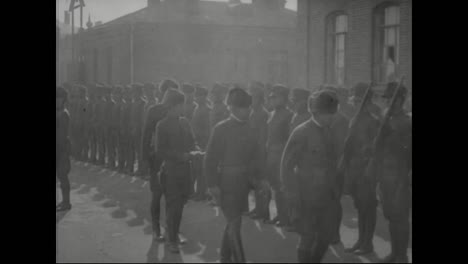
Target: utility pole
[
  {"x": 73, "y": 44},
  {"x": 308, "y": 44}
]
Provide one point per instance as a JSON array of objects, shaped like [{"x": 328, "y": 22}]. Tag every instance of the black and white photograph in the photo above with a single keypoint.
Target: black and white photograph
[{"x": 233, "y": 131}]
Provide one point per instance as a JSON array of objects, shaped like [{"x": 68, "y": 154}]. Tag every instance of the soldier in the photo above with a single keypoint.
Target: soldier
[
  {"x": 136, "y": 128},
  {"x": 92, "y": 91},
  {"x": 339, "y": 131},
  {"x": 101, "y": 124},
  {"x": 155, "y": 114},
  {"x": 62, "y": 147},
  {"x": 174, "y": 144},
  {"x": 299, "y": 101},
  {"x": 115, "y": 131},
  {"x": 355, "y": 158},
  {"x": 112, "y": 123},
  {"x": 125, "y": 132},
  {"x": 151, "y": 100},
  {"x": 201, "y": 130},
  {"x": 307, "y": 175},
  {"x": 81, "y": 95},
  {"x": 392, "y": 164},
  {"x": 219, "y": 110},
  {"x": 189, "y": 104},
  {"x": 232, "y": 163},
  {"x": 84, "y": 125},
  {"x": 258, "y": 121},
  {"x": 278, "y": 133}
]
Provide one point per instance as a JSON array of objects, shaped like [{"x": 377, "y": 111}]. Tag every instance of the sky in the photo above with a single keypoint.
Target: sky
[{"x": 106, "y": 10}]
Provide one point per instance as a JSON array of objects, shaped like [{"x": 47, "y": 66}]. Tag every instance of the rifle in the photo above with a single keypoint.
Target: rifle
[
  {"x": 344, "y": 159},
  {"x": 379, "y": 138}
]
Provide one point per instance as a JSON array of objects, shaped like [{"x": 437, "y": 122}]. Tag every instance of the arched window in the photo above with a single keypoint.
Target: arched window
[
  {"x": 337, "y": 29},
  {"x": 386, "y": 42}
]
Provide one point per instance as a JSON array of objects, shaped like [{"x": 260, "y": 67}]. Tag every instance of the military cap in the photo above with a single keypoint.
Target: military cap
[
  {"x": 148, "y": 87},
  {"x": 238, "y": 97},
  {"x": 257, "y": 89},
  {"x": 173, "y": 97},
  {"x": 167, "y": 84},
  {"x": 60, "y": 92},
  {"x": 201, "y": 91},
  {"x": 299, "y": 94},
  {"x": 187, "y": 88},
  {"x": 391, "y": 88},
  {"x": 280, "y": 90},
  {"x": 219, "y": 89},
  {"x": 118, "y": 89},
  {"x": 325, "y": 102}
]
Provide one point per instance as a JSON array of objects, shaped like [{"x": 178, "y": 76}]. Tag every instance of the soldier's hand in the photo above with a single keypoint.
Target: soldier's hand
[{"x": 216, "y": 193}]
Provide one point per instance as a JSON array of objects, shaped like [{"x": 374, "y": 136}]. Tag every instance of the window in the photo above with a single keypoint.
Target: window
[
  {"x": 336, "y": 48},
  {"x": 95, "y": 65},
  {"x": 278, "y": 69},
  {"x": 386, "y": 42}
]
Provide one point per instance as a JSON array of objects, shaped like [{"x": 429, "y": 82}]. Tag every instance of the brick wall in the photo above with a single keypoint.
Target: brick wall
[{"x": 359, "y": 46}]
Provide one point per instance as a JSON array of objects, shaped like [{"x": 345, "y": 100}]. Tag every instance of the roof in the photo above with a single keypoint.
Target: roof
[{"x": 210, "y": 12}]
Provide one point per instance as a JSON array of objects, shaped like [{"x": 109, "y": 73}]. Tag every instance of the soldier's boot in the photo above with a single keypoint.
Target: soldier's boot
[
  {"x": 393, "y": 234},
  {"x": 225, "y": 252},
  {"x": 369, "y": 228},
  {"x": 65, "y": 189},
  {"x": 336, "y": 238},
  {"x": 361, "y": 223},
  {"x": 319, "y": 251},
  {"x": 263, "y": 208},
  {"x": 238, "y": 255},
  {"x": 402, "y": 241}
]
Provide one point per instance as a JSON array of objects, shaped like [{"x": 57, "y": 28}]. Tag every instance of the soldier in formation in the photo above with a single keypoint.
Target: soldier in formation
[
  {"x": 223, "y": 143},
  {"x": 232, "y": 164},
  {"x": 62, "y": 147}
]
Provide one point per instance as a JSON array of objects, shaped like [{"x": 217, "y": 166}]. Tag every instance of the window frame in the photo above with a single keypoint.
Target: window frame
[
  {"x": 331, "y": 47},
  {"x": 379, "y": 32}
]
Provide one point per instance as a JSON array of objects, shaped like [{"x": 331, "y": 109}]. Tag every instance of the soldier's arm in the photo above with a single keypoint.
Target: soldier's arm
[
  {"x": 148, "y": 128},
  {"x": 213, "y": 155},
  {"x": 289, "y": 161},
  {"x": 191, "y": 142},
  {"x": 63, "y": 131}
]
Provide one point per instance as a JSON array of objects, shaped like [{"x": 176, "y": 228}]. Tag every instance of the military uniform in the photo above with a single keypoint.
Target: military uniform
[
  {"x": 93, "y": 124},
  {"x": 278, "y": 133},
  {"x": 125, "y": 131},
  {"x": 85, "y": 126},
  {"x": 136, "y": 128},
  {"x": 155, "y": 114},
  {"x": 308, "y": 171},
  {"x": 112, "y": 126},
  {"x": 258, "y": 121},
  {"x": 101, "y": 125},
  {"x": 356, "y": 157},
  {"x": 189, "y": 104},
  {"x": 174, "y": 140},
  {"x": 393, "y": 165},
  {"x": 201, "y": 130},
  {"x": 219, "y": 110},
  {"x": 232, "y": 163},
  {"x": 80, "y": 113},
  {"x": 62, "y": 150}
]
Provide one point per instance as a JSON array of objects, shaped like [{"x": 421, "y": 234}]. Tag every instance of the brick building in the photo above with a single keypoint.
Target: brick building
[
  {"x": 355, "y": 40},
  {"x": 194, "y": 41}
]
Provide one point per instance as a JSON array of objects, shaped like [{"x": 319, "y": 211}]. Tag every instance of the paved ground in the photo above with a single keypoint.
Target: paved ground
[{"x": 109, "y": 222}]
